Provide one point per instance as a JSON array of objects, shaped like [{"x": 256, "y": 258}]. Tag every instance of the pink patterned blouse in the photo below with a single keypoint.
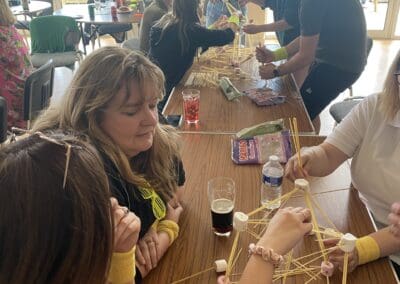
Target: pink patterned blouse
[{"x": 15, "y": 66}]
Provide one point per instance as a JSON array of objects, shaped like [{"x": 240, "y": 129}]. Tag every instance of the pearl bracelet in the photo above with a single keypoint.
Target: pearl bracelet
[{"x": 267, "y": 254}]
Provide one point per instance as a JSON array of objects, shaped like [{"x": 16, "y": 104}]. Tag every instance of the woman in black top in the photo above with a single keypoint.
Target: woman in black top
[
  {"x": 113, "y": 100},
  {"x": 174, "y": 41}
]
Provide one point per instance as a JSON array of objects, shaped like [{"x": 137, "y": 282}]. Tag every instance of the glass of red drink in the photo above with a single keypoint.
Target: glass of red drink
[
  {"x": 191, "y": 105},
  {"x": 221, "y": 194}
]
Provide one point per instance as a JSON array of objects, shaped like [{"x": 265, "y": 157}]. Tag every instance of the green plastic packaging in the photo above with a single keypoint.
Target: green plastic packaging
[
  {"x": 229, "y": 89},
  {"x": 260, "y": 129}
]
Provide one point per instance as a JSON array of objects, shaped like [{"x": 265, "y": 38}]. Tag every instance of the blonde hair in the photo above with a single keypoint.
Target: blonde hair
[
  {"x": 99, "y": 78},
  {"x": 390, "y": 96},
  {"x": 6, "y": 16}
]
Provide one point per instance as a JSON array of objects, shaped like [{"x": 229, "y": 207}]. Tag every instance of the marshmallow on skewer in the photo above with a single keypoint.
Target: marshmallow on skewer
[
  {"x": 302, "y": 184},
  {"x": 220, "y": 265},
  {"x": 240, "y": 221},
  {"x": 327, "y": 268},
  {"x": 347, "y": 243}
]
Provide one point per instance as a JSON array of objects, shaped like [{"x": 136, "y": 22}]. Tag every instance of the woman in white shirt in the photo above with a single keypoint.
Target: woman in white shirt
[{"x": 370, "y": 135}]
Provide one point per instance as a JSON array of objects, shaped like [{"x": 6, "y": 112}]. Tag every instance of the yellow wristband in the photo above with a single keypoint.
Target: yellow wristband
[
  {"x": 234, "y": 19},
  {"x": 280, "y": 53},
  {"x": 368, "y": 250},
  {"x": 169, "y": 227},
  {"x": 122, "y": 268}
]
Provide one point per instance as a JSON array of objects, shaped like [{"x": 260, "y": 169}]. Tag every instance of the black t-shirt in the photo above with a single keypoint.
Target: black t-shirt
[
  {"x": 287, "y": 10},
  {"x": 342, "y": 32},
  {"x": 128, "y": 195}
]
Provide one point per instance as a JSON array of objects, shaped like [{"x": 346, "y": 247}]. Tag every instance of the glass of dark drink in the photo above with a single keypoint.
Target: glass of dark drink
[{"x": 221, "y": 194}]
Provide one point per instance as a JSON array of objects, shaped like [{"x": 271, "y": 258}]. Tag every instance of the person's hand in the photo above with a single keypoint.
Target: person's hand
[
  {"x": 336, "y": 256},
  {"x": 223, "y": 280},
  {"x": 174, "y": 211},
  {"x": 126, "y": 227},
  {"x": 286, "y": 229},
  {"x": 266, "y": 71},
  {"x": 264, "y": 55},
  {"x": 293, "y": 170},
  {"x": 252, "y": 29},
  {"x": 394, "y": 219},
  {"x": 220, "y": 23},
  {"x": 146, "y": 250}
]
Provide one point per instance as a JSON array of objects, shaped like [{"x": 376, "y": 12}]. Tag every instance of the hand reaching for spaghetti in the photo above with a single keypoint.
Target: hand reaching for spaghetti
[{"x": 336, "y": 257}]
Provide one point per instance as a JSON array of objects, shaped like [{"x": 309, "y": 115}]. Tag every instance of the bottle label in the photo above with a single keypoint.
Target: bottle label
[{"x": 272, "y": 181}]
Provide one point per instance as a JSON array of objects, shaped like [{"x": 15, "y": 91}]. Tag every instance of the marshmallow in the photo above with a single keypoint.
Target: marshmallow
[
  {"x": 327, "y": 268},
  {"x": 347, "y": 243},
  {"x": 220, "y": 265},
  {"x": 302, "y": 184},
  {"x": 329, "y": 233},
  {"x": 240, "y": 220}
]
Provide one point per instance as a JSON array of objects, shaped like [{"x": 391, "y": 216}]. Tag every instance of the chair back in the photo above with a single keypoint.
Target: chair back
[
  {"x": 3, "y": 120},
  {"x": 38, "y": 90},
  {"x": 50, "y": 34}
]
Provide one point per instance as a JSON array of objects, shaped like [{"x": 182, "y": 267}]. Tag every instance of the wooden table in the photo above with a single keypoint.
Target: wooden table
[
  {"x": 208, "y": 156},
  {"x": 219, "y": 115},
  {"x": 80, "y": 13},
  {"x": 34, "y": 8}
]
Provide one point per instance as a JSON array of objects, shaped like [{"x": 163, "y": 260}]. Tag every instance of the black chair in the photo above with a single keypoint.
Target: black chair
[
  {"x": 38, "y": 90},
  {"x": 339, "y": 110},
  {"x": 3, "y": 120}
]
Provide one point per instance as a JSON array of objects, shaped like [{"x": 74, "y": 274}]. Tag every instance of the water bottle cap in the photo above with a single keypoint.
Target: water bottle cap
[{"x": 273, "y": 158}]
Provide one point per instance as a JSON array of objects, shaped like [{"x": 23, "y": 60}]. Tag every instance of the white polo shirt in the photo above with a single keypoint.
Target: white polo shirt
[{"x": 374, "y": 145}]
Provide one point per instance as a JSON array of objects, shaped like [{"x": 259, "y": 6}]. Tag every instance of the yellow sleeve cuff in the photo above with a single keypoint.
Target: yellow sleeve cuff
[
  {"x": 368, "y": 249},
  {"x": 280, "y": 53},
  {"x": 122, "y": 268},
  {"x": 169, "y": 227}
]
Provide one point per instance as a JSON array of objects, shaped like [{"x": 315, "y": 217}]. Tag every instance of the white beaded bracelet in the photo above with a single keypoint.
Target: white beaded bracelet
[{"x": 267, "y": 254}]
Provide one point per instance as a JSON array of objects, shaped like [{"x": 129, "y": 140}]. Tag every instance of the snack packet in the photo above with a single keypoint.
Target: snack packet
[
  {"x": 262, "y": 128},
  {"x": 264, "y": 96},
  {"x": 229, "y": 89},
  {"x": 256, "y": 150}
]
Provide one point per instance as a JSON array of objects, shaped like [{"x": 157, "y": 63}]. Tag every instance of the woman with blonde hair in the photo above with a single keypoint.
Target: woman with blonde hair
[
  {"x": 15, "y": 66},
  {"x": 113, "y": 99},
  {"x": 369, "y": 134},
  {"x": 57, "y": 224}
]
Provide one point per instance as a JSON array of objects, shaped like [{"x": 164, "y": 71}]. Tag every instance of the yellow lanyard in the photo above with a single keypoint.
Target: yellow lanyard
[{"x": 157, "y": 204}]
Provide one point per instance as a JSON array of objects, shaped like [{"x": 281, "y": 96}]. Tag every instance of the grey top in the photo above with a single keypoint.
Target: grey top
[
  {"x": 152, "y": 14},
  {"x": 342, "y": 32}
]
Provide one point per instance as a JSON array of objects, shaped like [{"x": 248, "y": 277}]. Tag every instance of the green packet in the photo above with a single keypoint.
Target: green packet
[
  {"x": 262, "y": 128},
  {"x": 229, "y": 89}
]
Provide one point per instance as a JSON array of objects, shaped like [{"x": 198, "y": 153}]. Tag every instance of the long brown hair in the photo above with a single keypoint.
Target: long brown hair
[
  {"x": 184, "y": 14},
  {"x": 390, "y": 96},
  {"x": 99, "y": 78},
  {"x": 6, "y": 16},
  {"x": 51, "y": 234}
]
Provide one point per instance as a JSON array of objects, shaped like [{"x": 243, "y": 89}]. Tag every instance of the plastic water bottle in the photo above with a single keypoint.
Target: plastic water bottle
[{"x": 271, "y": 187}]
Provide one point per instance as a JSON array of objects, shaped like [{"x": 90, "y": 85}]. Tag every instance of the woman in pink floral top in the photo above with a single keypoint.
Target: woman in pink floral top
[{"x": 15, "y": 66}]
